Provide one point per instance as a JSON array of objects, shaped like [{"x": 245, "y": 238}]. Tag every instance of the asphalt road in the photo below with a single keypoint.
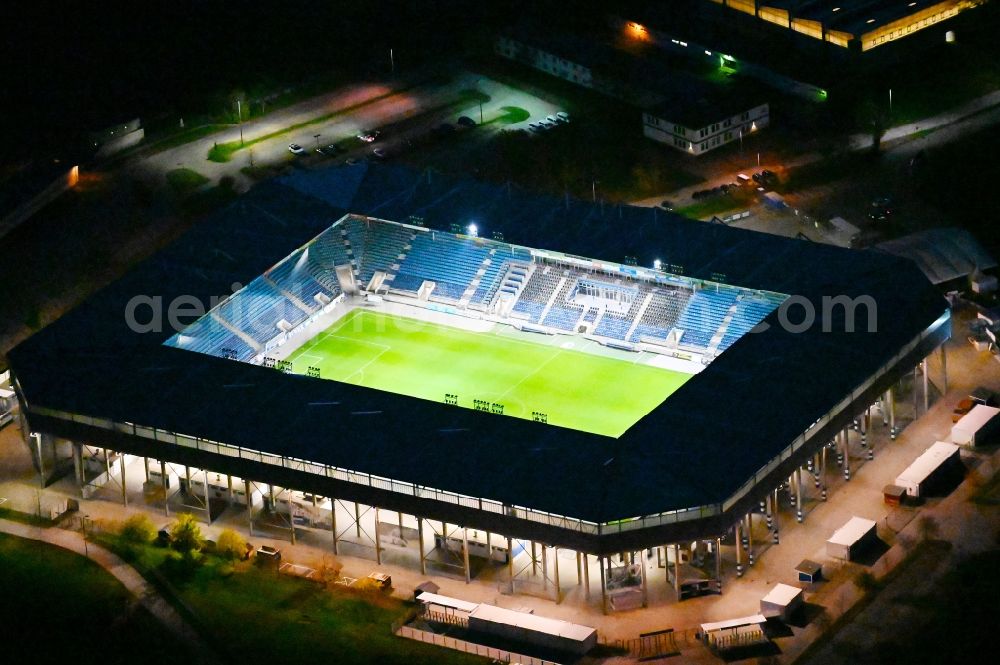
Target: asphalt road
[{"x": 358, "y": 108}]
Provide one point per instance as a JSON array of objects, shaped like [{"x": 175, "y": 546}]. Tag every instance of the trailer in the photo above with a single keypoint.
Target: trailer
[
  {"x": 734, "y": 633},
  {"x": 979, "y": 427},
  {"x": 852, "y": 538},
  {"x": 531, "y": 629},
  {"x": 781, "y": 602},
  {"x": 935, "y": 468},
  {"x": 841, "y": 232}
]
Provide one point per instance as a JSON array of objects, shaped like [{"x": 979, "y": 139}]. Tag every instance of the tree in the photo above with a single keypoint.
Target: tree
[
  {"x": 138, "y": 529},
  {"x": 928, "y": 528},
  {"x": 874, "y": 118},
  {"x": 187, "y": 534},
  {"x": 231, "y": 545},
  {"x": 329, "y": 570},
  {"x": 865, "y": 582}
]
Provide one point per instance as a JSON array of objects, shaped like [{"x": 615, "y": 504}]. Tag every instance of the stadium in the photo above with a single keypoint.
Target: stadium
[{"x": 470, "y": 379}]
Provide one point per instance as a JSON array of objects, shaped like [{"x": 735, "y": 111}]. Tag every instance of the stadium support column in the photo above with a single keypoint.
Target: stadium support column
[
  {"x": 944, "y": 369},
  {"x": 822, "y": 473},
  {"x": 642, "y": 577},
  {"x": 208, "y": 506},
  {"x": 510, "y": 563},
  {"x": 774, "y": 506},
  {"x": 378, "y": 543},
  {"x": 229, "y": 485},
  {"x": 249, "y": 494},
  {"x": 750, "y": 538},
  {"x": 916, "y": 368},
  {"x": 579, "y": 575},
  {"x": 555, "y": 574},
  {"x": 145, "y": 468},
  {"x": 166, "y": 495},
  {"x": 333, "y": 525},
  {"x": 927, "y": 395},
  {"x": 718, "y": 563},
  {"x": 545, "y": 567},
  {"x": 677, "y": 570},
  {"x": 738, "y": 538},
  {"x": 586, "y": 576},
  {"x": 420, "y": 544},
  {"x": 121, "y": 468},
  {"x": 604, "y": 587},
  {"x": 465, "y": 554},
  {"x": 798, "y": 494},
  {"x": 357, "y": 518},
  {"x": 41, "y": 463},
  {"x": 78, "y": 465},
  {"x": 534, "y": 559},
  {"x": 892, "y": 412}
]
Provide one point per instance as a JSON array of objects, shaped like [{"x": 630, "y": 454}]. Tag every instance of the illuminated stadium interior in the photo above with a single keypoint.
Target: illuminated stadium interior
[{"x": 482, "y": 324}]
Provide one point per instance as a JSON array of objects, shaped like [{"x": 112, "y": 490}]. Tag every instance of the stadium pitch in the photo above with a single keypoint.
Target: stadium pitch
[{"x": 570, "y": 388}]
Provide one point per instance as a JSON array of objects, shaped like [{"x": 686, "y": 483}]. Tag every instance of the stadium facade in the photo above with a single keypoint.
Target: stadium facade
[{"x": 227, "y": 424}]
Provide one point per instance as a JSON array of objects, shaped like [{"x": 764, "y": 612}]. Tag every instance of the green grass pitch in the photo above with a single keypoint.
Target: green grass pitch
[{"x": 573, "y": 388}]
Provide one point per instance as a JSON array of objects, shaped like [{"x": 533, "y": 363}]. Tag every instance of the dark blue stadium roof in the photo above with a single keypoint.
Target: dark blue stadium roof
[{"x": 701, "y": 444}]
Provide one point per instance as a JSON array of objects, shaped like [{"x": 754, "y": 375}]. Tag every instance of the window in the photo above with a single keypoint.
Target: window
[
  {"x": 678, "y": 130},
  {"x": 729, "y": 136},
  {"x": 727, "y": 122},
  {"x": 704, "y": 146},
  {"x": 745, "y": 116}
]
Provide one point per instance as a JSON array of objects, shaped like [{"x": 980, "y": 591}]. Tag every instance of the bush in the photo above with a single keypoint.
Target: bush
[
  {"x": 138, "y": 529},
  {"x": 231, "y": 545},
  {"x": 186, "y": 533}
]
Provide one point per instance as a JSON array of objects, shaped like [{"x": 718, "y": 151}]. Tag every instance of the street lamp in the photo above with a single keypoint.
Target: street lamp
[
  {"x": 239, "y": 118},
  {"x": 86, "y": 547}
]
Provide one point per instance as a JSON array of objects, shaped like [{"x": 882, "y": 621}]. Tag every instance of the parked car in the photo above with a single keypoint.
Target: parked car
[
  {"x": 296, "y": 149},
  {"x": 881, "y": 209},
  {"x": 563, "y": 116},
  {"x": 369, "y": 137},
  {"x": 667, "y": 204},
  {"x": 378, "y": 153},
  {"x": 553, "y": 119},
  {"x": 465, "y": 121},
  {"x": 330, "y": 150},
  {"x": 536, "y": 127}
]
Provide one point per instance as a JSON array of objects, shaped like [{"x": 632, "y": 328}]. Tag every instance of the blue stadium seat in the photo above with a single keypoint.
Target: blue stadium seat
[
  {"x": 449, "y": 261},
  {"x": 704, "y": 314}
]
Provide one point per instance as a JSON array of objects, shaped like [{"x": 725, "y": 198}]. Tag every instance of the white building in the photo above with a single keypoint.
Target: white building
[
  {"x": 544, "y": 60},
  {"x": 683, "y": 111},
  {"x": 698, "y": 130}
]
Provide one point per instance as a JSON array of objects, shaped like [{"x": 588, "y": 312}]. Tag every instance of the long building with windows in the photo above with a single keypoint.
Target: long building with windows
[
  {"x": 198, "y": 409},
  {"x": 853, "y": 25},
  {"x": 679, "y": 108}
]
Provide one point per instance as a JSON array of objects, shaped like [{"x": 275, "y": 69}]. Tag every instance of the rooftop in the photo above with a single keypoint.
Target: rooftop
[{"x": 682, "y": 454}]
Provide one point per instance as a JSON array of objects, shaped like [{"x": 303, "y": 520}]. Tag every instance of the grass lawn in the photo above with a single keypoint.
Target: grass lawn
[
  {"x": 713, "y": 206},
  {"x": 52, "y": 595},
  {"x": 264, "y": 617},
  {"x": 253, "y": 614},
  {"x": 575, "y": 389},
  {"x": 184, "y": 181}
]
